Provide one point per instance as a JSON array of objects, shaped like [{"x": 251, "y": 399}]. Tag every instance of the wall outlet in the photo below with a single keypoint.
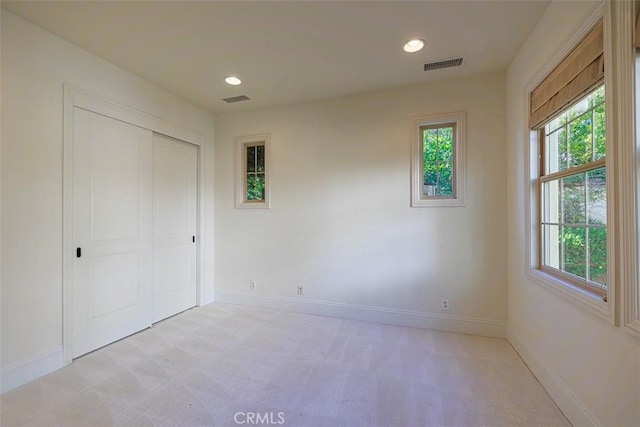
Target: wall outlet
[
  {"x": 252, "y": 285},
  {"x": 445, "y": 304},
  {"x": 300, "y": 290}
]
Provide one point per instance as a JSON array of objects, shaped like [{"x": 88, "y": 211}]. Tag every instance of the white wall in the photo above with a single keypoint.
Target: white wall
[
  {"x": 35, "y": 64},
  {"x": 340, "y": 222},
  {"x": 590, "y": 367}
]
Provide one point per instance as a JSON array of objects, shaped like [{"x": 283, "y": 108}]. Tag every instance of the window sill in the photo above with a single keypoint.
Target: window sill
[
  {"x": 588, "y": 301},
  {"x": 429, "y": 203},
  {"x": 253, "y": 205}
]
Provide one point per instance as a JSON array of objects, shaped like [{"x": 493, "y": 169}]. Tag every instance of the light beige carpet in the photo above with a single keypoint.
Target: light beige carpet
[{"x": 234, "y": 365}]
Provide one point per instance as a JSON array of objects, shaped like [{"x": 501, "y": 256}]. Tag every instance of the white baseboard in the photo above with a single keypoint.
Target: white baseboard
[
  {"x": 570, "y": 406},
  {"x": 22, "y": 372},
  {"x": 440, "y": 322}
]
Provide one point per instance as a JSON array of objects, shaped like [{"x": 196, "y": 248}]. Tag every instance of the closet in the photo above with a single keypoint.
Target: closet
[{"x": 134, "y": 221}]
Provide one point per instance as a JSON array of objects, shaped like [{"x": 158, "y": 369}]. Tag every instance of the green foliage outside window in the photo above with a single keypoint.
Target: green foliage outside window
[
  {"x": 577, "y": 138},
  {"x": 437, "y": 160},
  {"x": 255, "y": 176},
  {"x": 255, "y": 187}
]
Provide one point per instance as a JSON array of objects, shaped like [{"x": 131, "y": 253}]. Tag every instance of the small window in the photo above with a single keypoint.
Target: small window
[
  {"x": 438, "y": 160},
  {"x": 252, "y": 188}
]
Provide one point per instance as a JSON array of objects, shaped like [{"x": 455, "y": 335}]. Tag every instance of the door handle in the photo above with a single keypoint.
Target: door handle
[
  {"x": 193, "y": 239},
  {"x": 78, "y": 252}
]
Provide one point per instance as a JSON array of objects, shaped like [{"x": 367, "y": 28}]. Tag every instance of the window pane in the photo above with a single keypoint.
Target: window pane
[
  {"x": 260, "y": 158},
  {"x": 597, "y": 97},
  {"x": 551, "y": 202},
  {"x": 598, "y": 255},
  {"x": 551, "y": 241},
  {"x": 557, "y": 151},
  {"x": 599, "y": 127},
  {"x": 445, "y": 146},
  {"x": 577, "y": 202},
  {"x": 580, "y": 140},
  {"x": 578, "y": 109},
  {"x": 255, "y": 186},
  {"x": 577, "y": 136},
  {"x": 430, "y": 137},
  {"x": 444, "y": 186},
  {"x": 437, "y": 166},
  {"x": 574, "y": 250},
  {"x": 597, "y": 196},
  {"x": 429, "y": 147},
  {"x": 251, "y": 159},
  {"x": 573, "y": 199},
  {"x": 556, "y": 123}
]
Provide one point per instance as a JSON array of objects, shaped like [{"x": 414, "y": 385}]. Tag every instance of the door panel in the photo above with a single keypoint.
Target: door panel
[
  {"x": 113, "y": 283},
  {"x": 175, "y": 171},
  {"x": 112, "y": 201},
  {"x": 115, "y": 182}
]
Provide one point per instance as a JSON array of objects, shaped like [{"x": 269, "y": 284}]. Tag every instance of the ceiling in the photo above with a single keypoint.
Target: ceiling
[{"x": 287, "y": 52}]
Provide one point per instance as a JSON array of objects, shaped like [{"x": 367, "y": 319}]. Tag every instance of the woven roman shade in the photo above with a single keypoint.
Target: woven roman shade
[{"x": 577, "y": 74}]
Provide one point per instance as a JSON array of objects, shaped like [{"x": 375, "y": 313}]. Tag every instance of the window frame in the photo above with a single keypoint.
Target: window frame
[
  {"x": 242, "y": 143},
  {"x": 566, "y": 289},
  {"x": 627, "y": 165},
  {"x": 458, "y": 121},
  {"x": 544, "y": 176}
]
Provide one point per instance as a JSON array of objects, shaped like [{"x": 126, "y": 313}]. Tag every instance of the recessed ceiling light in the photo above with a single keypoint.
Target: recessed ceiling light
[
  {"x": 233, "y": 80},
  {"x": 413, "y": 45}
]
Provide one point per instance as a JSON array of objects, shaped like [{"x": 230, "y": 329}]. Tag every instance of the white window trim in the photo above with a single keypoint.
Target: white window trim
[
  {"x": 459, "y": 118},
  {"x": 241, "y": 142},
  {"x": 588, "y": 301},
  {"x": 627, "y": 170}
]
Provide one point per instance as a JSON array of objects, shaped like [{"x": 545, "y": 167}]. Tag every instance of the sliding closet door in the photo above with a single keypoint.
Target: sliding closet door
[
  {"x": 175, "y": 172},
  {"x": 112, "y": 201}
]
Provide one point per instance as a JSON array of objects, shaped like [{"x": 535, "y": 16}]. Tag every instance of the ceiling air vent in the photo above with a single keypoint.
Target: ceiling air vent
[
  {"x": 236, "y": 99},
  {"x": 443, "y": 63}
]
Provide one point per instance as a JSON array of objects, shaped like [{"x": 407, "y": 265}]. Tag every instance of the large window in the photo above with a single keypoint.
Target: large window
[
  {"x": 252, "y": 185},
  {"x": 438, "y": 160},
  {"x": 573, "y": 188},
  {"x": 572, "y": 205}
]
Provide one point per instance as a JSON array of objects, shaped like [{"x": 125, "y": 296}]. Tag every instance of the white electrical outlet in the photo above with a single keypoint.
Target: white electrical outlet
[
  {"x": 300, "y": 290},
  {"x": 252, "y": 285},
  {"x": 445, "y": 304}
]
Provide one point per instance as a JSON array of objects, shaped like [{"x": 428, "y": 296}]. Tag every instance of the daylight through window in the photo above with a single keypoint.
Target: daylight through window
[
  {"x": 254, "y": 173},
  {"x": 573, "y": 189},
  {"x": 438, "y": 164},
  {"x": 438, "y": 145}
]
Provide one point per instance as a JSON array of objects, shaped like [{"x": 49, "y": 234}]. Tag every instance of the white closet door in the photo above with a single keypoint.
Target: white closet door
[
  {"x": 175, "y": 172},
  {"x": 112, "y": 199}
]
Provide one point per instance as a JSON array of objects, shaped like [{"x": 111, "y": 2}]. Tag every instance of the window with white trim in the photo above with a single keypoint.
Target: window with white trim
[
  {"x": 568, "y": 121},
  {"x": 628, "y": 165},
  {"x": 252, "y": 180},
  {"x": 438, "y": 149},
  {"x": 573, "y": 188}
]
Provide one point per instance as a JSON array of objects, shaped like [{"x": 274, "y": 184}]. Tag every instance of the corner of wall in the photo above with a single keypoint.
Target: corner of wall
[
  {"x": 568, "y": 403},
  {"x": 27, "y": 370},
  {"x": 433, "y": 321}
]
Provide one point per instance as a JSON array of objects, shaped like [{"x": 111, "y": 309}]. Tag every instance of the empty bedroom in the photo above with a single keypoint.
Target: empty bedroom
[{"x": 320, "y": 213}]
